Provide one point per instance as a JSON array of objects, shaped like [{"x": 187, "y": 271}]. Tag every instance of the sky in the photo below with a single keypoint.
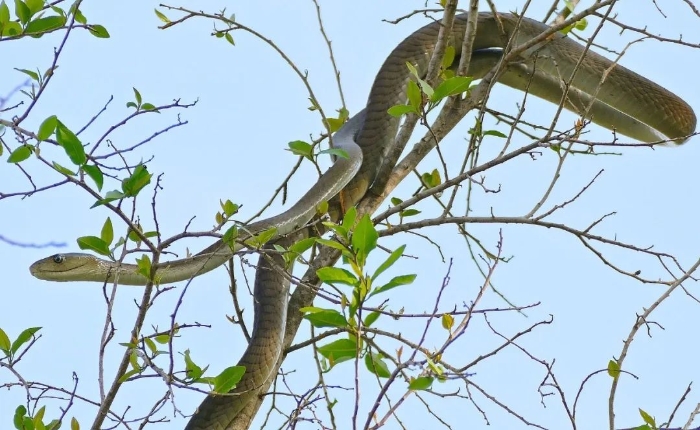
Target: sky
[{"x": 249, "y": 106}]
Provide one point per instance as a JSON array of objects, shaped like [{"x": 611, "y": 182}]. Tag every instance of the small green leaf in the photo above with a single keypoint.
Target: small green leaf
[
  {"x": 398, "y": 252},
  {"x": 229, "y": 38},
  {"x": 230, "y": 236},
  {"x": 376, "y": 365},
  {"x": 647, "y": 418},
  {"x": 47, "y": 128},
  {"x": 144, "y": 266},
  {"x": 22, "y": 11},
  {"x": 4, "y": 14},
  {"x": 494, "y": 133},
  {"x": 74, "y": 425},
  {"x": 79, "y": 16},
  {"x": 395, "y": 282},
  {"x": 409, "y": 212},
  {"x": 326, "y": 318},
  {"x": 193, "y": 371},
  {"x": 334, "y": 124},
  {"x": 613, "y": 368},
  {"x": 20, "y": 154},
  {"x": 95, "y": 174},
  {"x": 448, "y": 321},
  {"x": 420, "y": 383},
  {"x": 71, "y": 144},
  {"x": 151, "y": 345},
  {"x": 339, "y": 351},
  {"x": 137, "y": 181},
  {"x": 400, "y": 110},
  {"x": 451, "y": 87},
  {"x": 448, "y": 58},
  {"x": 299, "y": 147},
  {"x": 137, "y": 95},
  {"x": 31, "y": 74},
  {"x": 11, "y": 28},
  {"x": 66, "y": 171},
  {"x": 335, "y": 275},
  {"x": 229, "y": 208},
  {"x": 331, "y": 244},
  {"x": 107, "y": 233},
  {"x": 364, "y": 238},
  {"x": 261, "y": 238},
  {"x": 228, "y": 378},
  {"x": 415, "y": 97},
  {"x": 340, "y": 153},
  {"x": 94, "y": 243},
  {"x": 149, "y": 106},
  {"x": 4, "y": 342},
  {"x": 34, "y": 5},
  {"x": 371, "y": 318},
  {"x": 98, "y": 31},
  {"x": 44, "y": 25},
  {"x": 163, "y": 339},
  {"x": 109, "y": 197},
  {"x": 161, "y": 16},
  {"x": 20, "y": 413}
]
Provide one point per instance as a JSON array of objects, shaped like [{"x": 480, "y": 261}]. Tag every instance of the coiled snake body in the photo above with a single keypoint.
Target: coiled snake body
[{"x": 625, "y": 101}]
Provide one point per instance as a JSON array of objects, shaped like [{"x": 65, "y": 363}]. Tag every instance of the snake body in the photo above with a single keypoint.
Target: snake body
[{"x": 625, "y": 102}]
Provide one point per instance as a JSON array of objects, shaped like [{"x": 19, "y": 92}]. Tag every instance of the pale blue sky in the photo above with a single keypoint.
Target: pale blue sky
[{"x": 250, "y": 105}]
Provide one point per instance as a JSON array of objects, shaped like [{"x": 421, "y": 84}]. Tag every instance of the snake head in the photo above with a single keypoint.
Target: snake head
[{"x": 61, "y": 267}]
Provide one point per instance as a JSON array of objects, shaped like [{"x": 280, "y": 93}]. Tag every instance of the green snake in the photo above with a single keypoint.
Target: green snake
[{"x": 625, "y": 102}]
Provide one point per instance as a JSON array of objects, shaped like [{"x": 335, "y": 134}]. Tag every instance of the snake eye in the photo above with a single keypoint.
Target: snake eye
[{"x": 58, "y": 258}]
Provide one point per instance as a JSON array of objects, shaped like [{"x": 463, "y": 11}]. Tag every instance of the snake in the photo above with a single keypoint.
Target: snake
[{"x": 559, "y": 70}]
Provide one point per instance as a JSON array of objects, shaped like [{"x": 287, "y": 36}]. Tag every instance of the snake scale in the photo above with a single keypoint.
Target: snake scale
[{"x": 625, "y": 102}]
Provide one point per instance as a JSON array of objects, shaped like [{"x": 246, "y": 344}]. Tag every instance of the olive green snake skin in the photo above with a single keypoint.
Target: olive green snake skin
[{"x": 625, "y": 101}]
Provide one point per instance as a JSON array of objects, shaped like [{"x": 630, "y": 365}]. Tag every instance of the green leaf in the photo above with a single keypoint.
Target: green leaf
[
  {"x": 230, "y": 236},
  {"x": 137, "y": 181},
  {"x": 395, "y": 282},
  {"x": 95, "y": 174},
  {"x": 494, "y": 133},
  {"x": 299, "y": 147},
  {"x": 261, "y": 238},
  {"x": 137, "y": 95},
  {"x": 398, "y": 252},
  {"x": 228, "y": 378},
  {"x": 340, "y": 153},
  {"x": 409, "y": 212},
  {"x": 432, "y": 179},
  {"x": 331, "y": 244},
  {"x": 20, "y": 412},
  {"x": 371, "y": 318},
  {"x": 4, "y": 342},
  {"x": 74, "y": 425},
  {"x": 22, "y": 11},
  {"x": 302, "y": 246},
  {"x": 376, "y": 365},
  {"x": 349, "y": 219},
  {"x": 34, "y": 5},
  {"x": 163, "y": 339},
  {"x": 448, "y": 58},
  {"x": 151, "y": 345},
  {"x": 31, "y": 74},
  {"x": 94, "y": 243},
  {"x": 47, "y": 128},
  {"x": 400, "y": 110},
  {"x": 71, "y": 144},
  {"x": 364, "y": 238},
  {"x": 451, "y": 87},
  {"x": 107, "y": 233},
  {"x": 109, "y": 197},
  {"x": 229, "y": 208},
  {"x": 647, "y": 418},
  {"x": 613, "y": 368},
  {"x": 66, "y": 171},
  {"x": 4, "y": 14},
  {"x": 161, "y": 16},
  {"x": 420, "y": 383},
  {"x": 144, "y": 266},
  {"x": 46, "y": 24},
  {"x": 339, "y": 351},
  {"x": 326, "y": 318},
  {"x": 149, "y": 106},
  {"x": 79, "y": 16},
  {"x": 98, "y": 31},
  {"x": 229, "y": 38},
  {"x": 335, "y": 275},
  {"x": 20, "y": 154},
  {"x": 193, "y": 371},
  {"x": 334, "y": 124},
  {"x": 448, "y": 321},
  {"x": 415, "y": 97}
]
